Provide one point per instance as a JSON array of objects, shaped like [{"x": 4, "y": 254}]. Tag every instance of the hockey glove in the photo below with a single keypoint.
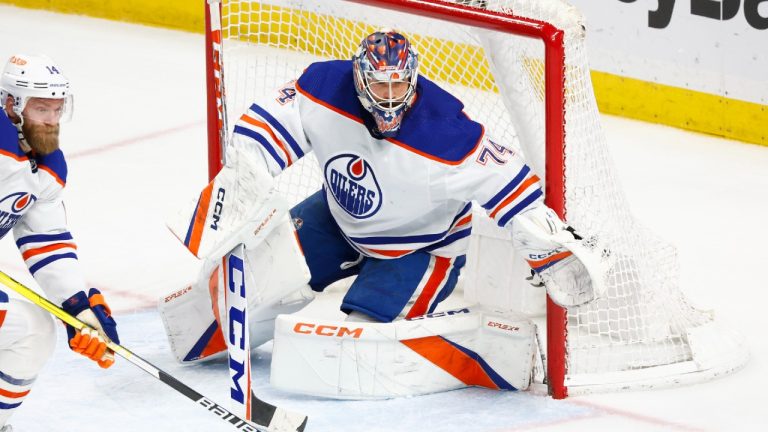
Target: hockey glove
[
  {"x": 573, "y": 269},
  {"x": 92, "y": 342}
]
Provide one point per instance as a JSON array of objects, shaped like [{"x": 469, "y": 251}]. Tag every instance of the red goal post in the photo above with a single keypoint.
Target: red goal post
[{"x": 623, "y": 341}]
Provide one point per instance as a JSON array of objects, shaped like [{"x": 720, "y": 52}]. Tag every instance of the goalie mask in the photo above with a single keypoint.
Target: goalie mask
[
  {"x": 26, "y": 77},
  {"x": 385, "y": 78}
]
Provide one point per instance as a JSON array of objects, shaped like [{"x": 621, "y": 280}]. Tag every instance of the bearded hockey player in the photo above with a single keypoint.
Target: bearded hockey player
[
  {"x": 402, "y": 166},
  {"x": 36, "y": 98}
]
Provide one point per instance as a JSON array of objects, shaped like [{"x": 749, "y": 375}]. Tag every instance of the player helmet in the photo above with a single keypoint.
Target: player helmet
[
  {"x": 34, "y": 76},
  {"x": 385, "y": 78}
]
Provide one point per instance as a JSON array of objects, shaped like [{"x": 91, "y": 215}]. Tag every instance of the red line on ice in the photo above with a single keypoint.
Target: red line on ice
[{"x": 131, "y": 141}]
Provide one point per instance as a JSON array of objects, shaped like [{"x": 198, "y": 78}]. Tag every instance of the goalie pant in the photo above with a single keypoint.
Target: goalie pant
[
  {"x": 31, "y": 208},
  {"x": 384, "y": 289}
]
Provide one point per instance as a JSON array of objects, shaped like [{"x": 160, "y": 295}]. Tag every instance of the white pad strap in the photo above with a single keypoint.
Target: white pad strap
[{"x": 239, "y": 206}]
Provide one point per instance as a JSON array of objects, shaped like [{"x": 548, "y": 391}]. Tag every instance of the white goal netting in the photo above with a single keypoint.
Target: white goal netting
[{"x": 644, "y": 332}]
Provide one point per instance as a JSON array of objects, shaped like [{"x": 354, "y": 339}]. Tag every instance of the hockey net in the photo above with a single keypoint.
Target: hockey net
[{"x": 520, "y": 67}]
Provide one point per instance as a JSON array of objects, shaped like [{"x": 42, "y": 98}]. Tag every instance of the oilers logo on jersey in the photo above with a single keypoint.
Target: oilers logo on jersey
[
  {"x": 12, "y": 208},
  {"x": 353, "y": 184}
]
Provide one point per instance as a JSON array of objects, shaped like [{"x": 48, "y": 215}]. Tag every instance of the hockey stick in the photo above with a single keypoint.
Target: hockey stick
[{"x": 269, "y": 418}]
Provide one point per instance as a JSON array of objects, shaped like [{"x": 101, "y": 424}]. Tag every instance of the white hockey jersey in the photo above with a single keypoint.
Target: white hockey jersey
[
  {"x": 31, "y": 207},
  {"x": 390, "y": 197}
]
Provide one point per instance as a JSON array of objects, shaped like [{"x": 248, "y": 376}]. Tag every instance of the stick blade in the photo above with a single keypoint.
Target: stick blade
[{"x": 275, "y": 419}]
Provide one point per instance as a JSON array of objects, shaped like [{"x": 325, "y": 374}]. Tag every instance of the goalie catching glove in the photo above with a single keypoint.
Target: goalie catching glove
[
  {"x": 92, "y": 342},
  {"x": 573, "y": 269}
]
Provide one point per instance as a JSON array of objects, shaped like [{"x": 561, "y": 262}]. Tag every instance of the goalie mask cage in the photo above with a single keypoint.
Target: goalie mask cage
[{"x": 520, "y": 67}]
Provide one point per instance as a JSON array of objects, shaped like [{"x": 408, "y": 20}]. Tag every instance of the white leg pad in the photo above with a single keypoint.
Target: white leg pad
[
  {"x": 435, "y": 353},
  {"x": 192, "y": 328},
  {"x": 277, "y": 277}
]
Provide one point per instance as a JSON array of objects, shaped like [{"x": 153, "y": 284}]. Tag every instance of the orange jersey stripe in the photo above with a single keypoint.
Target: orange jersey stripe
[
  {"x": 435, "y": 158},
  {"x": 463, "y": 221},
  {"x": 15, "y": 395},
  {"x": 53, "y": 174},
  {"x": 452, "y": 360},
  {"x": 421, "y": 305},
  {"x": 268, "y": 129},
  {"x": 13, "y": 156},
  {"x": 531, "y": 180},
  {"x": 392, "y": 140},
  {"x": 200, "y": 216},
  {"x": 330, "y": 107},
  {"x": 390, "y": 253},
  {"x": 52, "y": 247}
]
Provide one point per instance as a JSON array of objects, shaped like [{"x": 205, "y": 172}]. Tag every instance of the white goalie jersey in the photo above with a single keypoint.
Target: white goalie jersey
[{"x": 390, "y": 197}]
